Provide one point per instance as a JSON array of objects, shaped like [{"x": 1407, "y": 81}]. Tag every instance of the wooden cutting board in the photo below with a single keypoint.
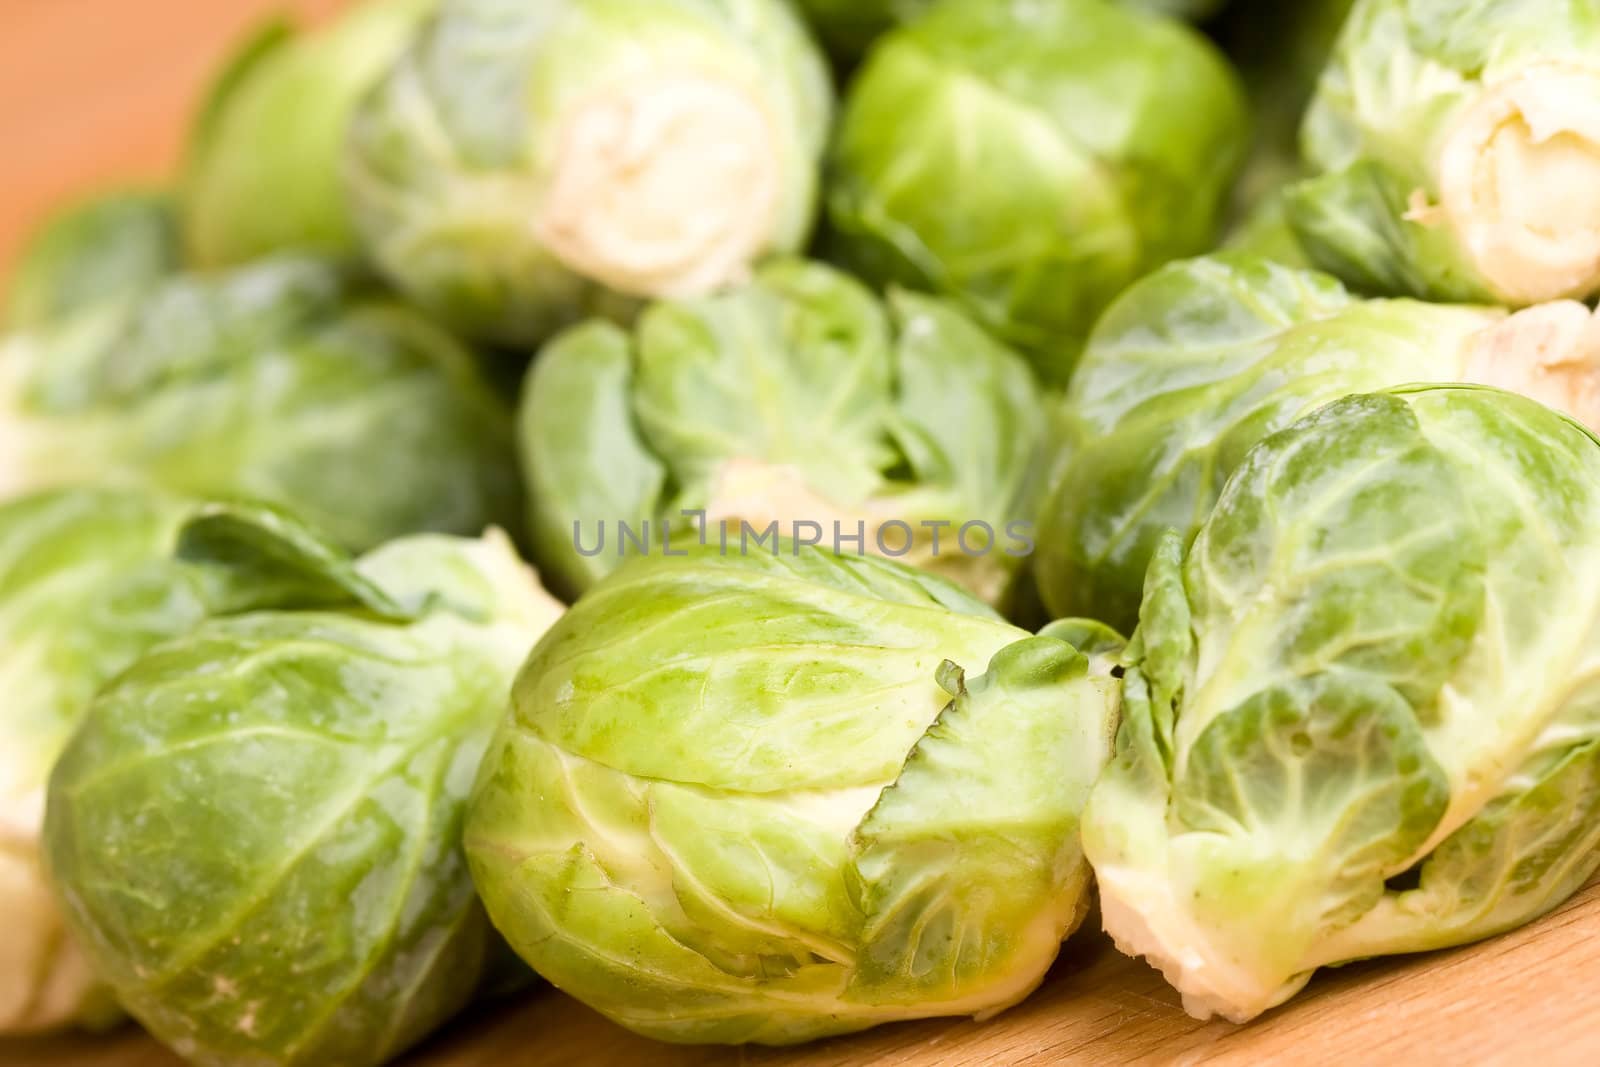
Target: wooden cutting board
[
  {"x": 98, "y": 90},
  {"x": 1529, "y": 998}
]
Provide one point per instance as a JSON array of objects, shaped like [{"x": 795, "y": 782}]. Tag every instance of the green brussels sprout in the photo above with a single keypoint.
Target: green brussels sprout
[
  {"x": 281, "y": 381},
  {"x": 262, "y": 175},
  {"x": 527, "y": 165},
  {"x": 1201, "y": 360},
  {"x": 86, "y": 585},
  {"x": 256, "y": 829},
  {"x": 106, "y": 247},
  {"x": 1361, "y": 715},
  {"x": 798, "y": 400},
  {"x": 1457, "y": 150},
  {"x": 1031, "y": 158},
  {"x": 739, "y": 798},
  {"x": 849, "y": 26}
]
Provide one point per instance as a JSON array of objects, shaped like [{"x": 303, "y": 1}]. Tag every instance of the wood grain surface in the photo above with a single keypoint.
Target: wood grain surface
[
  {"x": 97, "y": 91},
  {"x": 1531, "y": 997}
]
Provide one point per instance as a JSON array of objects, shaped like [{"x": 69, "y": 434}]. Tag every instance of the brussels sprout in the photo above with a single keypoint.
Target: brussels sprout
[
  {"x": 1458, "y": 146},
  {"x": 263, "y": 169},
  {"x": 1203, "y": 359},
  {"x": 1362, "y": 716},
  {"x": 256, "y": 830},
  {"x": 86, "y": 585},
  {"x": 525, "y": 165},
  {"x": 110, "y": 246},
  {"x": 281, "y": 381},
  {"x": 849, "y": 26},
  {"x": 797, "y": 399},
  {"x": 740, "y": 799},
  {"x": 1032, "y": 157}
]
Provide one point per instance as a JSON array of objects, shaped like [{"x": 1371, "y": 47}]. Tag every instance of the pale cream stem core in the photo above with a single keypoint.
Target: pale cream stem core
[
  {"x": 1519, "y": 181},
  {"x": 1550, "y": 353},
  {"x": 1145, "y": 917},
  {"x": 526, "y": 602},
  {"x": 45, "y": 978},
  {"x": 759, "y": 493},
  {"x": 664, "y": 188}
]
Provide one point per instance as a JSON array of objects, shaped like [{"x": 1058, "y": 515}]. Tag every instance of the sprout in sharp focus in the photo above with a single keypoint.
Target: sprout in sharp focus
[
  {"x": 526, "y": 164},
  {"x": 799, "y": 398},
  {"x": 256, "y": 830},
  {"x": 740, "y": 799},
  {"x": 111, "y": 246},
  {"x": 1362, "y": 715},
  {"x": 86, "y": 585},
  {"x": 1197, "y": 363},
  {"x": 263, "y": 170},
  {"x": 1459, "y": 146},
  {"x": 281, "y": 381},
  {"x": 1032, "y": 157}
]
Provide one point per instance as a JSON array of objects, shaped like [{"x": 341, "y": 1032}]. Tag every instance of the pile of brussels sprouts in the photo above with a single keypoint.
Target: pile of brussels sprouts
[{"x": 1166, "y": 483}]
